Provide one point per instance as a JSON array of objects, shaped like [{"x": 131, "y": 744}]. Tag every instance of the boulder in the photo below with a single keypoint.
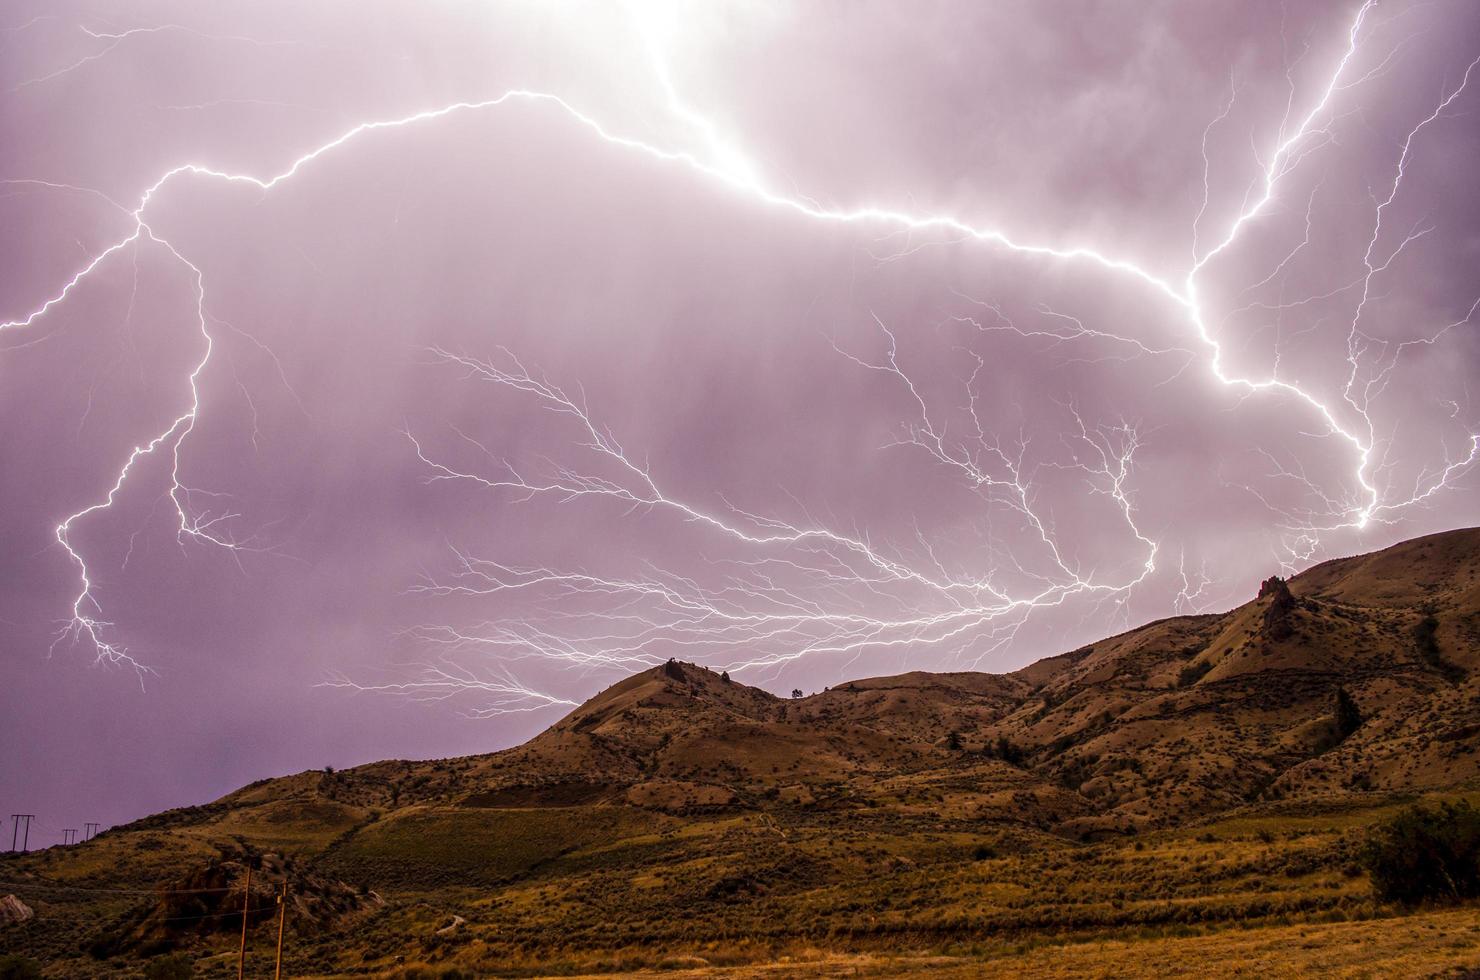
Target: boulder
[{"x": 13, "y": 910}]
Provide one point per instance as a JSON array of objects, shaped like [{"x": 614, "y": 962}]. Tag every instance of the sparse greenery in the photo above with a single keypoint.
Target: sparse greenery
[{"x": 1426, "y": 854}]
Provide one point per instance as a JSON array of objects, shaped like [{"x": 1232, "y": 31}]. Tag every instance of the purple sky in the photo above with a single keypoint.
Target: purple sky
[{"x": 808, "y": 341}]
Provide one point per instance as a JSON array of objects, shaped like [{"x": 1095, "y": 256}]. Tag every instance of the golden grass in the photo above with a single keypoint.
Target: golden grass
[{"x": 1421, "y": 944}]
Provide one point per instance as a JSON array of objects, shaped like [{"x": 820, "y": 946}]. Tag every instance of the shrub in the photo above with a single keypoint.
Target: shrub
[
  {"x": 1426, "y": 854},
  {"x": 19, "y": 968},
  {"x": 1006, "y": 751},
  {"x": 176, "y": 966}
]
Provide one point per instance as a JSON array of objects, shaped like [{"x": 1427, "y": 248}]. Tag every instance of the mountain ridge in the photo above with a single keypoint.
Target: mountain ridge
[
  {"x": 1214, "y": 771},
  {"x": 1073, "y": 718}
]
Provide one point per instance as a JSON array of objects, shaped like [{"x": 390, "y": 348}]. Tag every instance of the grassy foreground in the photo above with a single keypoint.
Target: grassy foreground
[{"x": 1273, "y": 890}]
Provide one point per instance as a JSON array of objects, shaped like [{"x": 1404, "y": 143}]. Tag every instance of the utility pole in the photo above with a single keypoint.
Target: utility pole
[
  {"x": 282, "y": 917},
  {"x": 241, "y": 959},
  {"x": 15, "y": 820},
  {"x": 69, "y": 836},
  {"x": 89, "y": 831}
]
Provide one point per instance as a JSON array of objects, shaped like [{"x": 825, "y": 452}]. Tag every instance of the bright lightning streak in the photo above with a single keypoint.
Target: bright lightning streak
[
  {"x": 1367, "y": 257},
  {"x": 815, "y": 591},
  {"x": 115, "y": 38},
  {"x": 501, "y": 692},
  {"x": 84, "y": 623},
  {"x": 856, "y": 561}
]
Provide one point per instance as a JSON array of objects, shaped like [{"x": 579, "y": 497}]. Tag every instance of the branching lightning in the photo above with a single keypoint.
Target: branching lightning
[
  {"x": 814, "y": 589},
  {"x": 807, "y": 588}
]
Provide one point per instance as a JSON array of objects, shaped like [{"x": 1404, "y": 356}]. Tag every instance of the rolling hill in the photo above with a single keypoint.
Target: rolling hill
[{"x": 1163, "y": 792}]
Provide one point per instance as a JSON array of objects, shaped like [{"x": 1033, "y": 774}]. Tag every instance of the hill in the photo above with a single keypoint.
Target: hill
[{"x": 1157, "y": 788}]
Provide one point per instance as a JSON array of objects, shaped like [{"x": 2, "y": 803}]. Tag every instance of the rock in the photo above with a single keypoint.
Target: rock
[
  {"x": 1273, "y": 585},
  {"x": 451, "y": 927},
  {"x": 13, "y": 910},
  {"x": 1277, "y": 616}
]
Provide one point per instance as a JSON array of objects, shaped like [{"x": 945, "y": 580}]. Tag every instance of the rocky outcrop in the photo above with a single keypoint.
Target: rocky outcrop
[
  {"x": 13, "y": 911},
  {"x": 1280, "y": 611}
]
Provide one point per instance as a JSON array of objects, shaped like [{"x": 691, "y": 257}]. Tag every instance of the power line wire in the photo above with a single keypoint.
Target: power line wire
[{"x": 118, "y": 891}]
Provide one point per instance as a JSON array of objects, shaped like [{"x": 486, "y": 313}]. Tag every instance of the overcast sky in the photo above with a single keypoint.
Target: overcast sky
[{"x": 811, "y": 342}]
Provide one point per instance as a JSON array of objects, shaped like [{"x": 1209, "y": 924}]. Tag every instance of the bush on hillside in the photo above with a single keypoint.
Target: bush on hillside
[
  {"x": 1005, "y": 750},
  {"x": 19, "y": 968},
  {"x": 1426, "y": 854}
]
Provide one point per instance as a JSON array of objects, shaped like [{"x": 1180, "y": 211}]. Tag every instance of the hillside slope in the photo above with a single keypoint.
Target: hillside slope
[
  {"x": 1180, "y": 718},
  {"x": 916, "y": 805}
]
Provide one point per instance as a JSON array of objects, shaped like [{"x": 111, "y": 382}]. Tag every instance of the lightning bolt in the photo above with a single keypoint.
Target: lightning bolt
[
  {"x": 500, "y": 691},
  {"x": 753, "y": 607},
  {"x": 774, "y": 623},
  {"x": 115, "y": 38}
]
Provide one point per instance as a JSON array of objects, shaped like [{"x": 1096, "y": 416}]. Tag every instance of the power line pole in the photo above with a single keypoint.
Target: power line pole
[
  {"x": 69, "y": 835},
  {"x": 15, "y": 819},
  {"x": 241, "y": 959},
  {"x": 89, "y": 831},
  {"x": 282, "y": 917}
]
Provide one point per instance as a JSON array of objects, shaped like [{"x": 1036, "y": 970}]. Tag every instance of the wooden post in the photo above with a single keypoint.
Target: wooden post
[
  {"x": 241, "y": 959},
  {"x": 282, "y": 917}
]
